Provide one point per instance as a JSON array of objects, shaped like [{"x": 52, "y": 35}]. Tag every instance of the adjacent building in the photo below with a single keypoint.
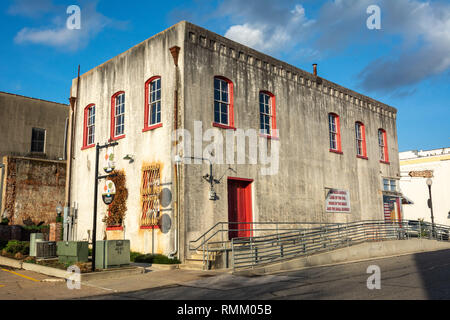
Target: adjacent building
[
  {"x": 211, "y": 131},
  {"x": 416, "y": 168},
  {"x": 32, "y": 153}
]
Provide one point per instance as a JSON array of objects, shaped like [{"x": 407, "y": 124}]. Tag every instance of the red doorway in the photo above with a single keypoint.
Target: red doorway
[{"x": 239, "y": 207}]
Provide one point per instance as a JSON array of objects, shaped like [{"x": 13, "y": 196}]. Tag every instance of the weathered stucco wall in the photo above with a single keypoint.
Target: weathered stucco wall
[
  {"x": 128, "y": 72},
  {"x": 33, "y": 189},
  {"x": 20, "y": 114},
  {"x": 306, "y": 166}
]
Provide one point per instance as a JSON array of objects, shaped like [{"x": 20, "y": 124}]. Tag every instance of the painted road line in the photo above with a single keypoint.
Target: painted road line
[
  {"x": 2, "y": 285},
  {"x": 21, "y": 275}
]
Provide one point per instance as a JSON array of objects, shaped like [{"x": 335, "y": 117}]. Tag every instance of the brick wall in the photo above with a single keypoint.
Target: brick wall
[{"x": 33, "y": 189}]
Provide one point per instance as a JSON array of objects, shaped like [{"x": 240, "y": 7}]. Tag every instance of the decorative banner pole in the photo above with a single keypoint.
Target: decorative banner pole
[{"x": 97, "y": 177}]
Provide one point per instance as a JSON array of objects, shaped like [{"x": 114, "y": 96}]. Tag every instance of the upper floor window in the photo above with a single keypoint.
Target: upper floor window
[
  {"x": 118, "y": 115},
  {"x": 223, "y": 103},
  {"x": 89, "y": 126},
  {"x": 153, "y": 103},
  {"x": 38, "y": 140},
  {"x": 267, "y": 113},
  {"x": 360, "y": 131},
  {"x": 335, "y": 132},
  {"x": 389, "y": 185},
  {"x": 383, "y": 147}
]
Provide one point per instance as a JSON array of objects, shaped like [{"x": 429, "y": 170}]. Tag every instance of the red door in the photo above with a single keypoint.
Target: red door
[{"x": 239, "y": 207}]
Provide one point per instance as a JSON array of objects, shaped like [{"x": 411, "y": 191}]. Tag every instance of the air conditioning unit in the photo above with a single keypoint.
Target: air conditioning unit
[
  {"x": 45, "y": 249},
  {"x": 112, "y": 253},
  {"x": 33, "y": 238}
]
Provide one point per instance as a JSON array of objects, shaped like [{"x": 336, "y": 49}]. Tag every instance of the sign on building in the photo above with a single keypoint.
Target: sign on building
[
  {"x": 109, "y": 191},
  {"x": 421, "y": 174},
  {"x": 337, "y": 201}
]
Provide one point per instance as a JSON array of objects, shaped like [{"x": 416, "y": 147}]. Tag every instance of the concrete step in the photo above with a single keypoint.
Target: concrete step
[
  {"x": 192, "y": 265},
  {"x": 211, "y": 256}
]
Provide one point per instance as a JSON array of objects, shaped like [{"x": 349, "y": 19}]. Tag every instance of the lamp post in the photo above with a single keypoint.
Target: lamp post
[{"x": 430, "y": 205}]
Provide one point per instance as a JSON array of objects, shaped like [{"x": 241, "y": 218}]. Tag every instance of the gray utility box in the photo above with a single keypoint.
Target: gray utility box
[
  {"x": 45, "y": 249},
  {"x": 33, "y": 238},
  {"x": 72, "y": 251},
  {"x": 112, "y": 253}
]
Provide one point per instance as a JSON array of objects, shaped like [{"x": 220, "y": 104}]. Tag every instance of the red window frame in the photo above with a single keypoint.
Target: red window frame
[
  {"x": 147, "y": 125},
  {"x": 383, "y": 146},
  {"x": 273, "y": 115},
  {"x": 336, "y": 134},
  {"x": 361, "y": 138},
  {"x": 113, "y": 116},
  {"x": 230, "y": 124},
  {"x": 85, "y": 128}
]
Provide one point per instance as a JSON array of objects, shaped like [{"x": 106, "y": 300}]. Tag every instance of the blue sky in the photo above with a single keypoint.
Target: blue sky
[{"x": 405, "y": 64}]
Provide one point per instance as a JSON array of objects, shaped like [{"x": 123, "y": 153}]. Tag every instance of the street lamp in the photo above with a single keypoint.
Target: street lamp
[{"x": 430, "y": 205}]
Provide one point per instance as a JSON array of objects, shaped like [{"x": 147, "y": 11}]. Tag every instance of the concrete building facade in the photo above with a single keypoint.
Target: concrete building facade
[
  {"x": 416, "y": 167},
  {"x": 322, "y": 153}
]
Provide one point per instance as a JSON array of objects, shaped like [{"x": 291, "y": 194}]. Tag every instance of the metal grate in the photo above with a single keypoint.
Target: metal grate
[{"x": 151, "y": 195}]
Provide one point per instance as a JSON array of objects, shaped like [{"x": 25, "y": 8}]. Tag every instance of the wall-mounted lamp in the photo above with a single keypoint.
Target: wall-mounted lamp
[{"x": 129, "y": 157}]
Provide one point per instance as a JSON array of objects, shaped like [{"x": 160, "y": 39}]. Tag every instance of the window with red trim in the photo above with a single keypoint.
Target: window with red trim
[
  {"x": 267, "y": 113},
  {"x": 360, "y": 132},
  {"x": 383, "y": 147},
  {"x": 223, "y": 103},
  {"x": 335, "y": 132},
  {"x": 153, "y": 103},
  {"x": 118, "y": 115},
  {"x": 89, "y": 126}
]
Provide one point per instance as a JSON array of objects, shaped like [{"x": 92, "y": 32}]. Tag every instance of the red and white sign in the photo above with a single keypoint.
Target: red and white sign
[{"x": 338, "y": 201}]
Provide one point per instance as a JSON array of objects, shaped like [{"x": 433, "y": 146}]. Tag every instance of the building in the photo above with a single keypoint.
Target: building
[
  {"x": 416, "y": 167},
  {"x": 286, "y": 145},
  {"x": 32, "y": 153}
]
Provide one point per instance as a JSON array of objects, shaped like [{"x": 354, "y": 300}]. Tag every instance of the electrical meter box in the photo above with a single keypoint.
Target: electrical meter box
[
  {"x": 112, "y": 254},
  {"x": 72, "y": 251},
  {"x": 33, "y": 238}
]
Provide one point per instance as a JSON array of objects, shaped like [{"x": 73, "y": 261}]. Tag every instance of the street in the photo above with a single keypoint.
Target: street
[{"x": 420, "y": 276}]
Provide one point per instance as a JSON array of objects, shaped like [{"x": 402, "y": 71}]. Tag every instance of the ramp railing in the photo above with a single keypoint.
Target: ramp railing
[{"x": 249, "y": 252}]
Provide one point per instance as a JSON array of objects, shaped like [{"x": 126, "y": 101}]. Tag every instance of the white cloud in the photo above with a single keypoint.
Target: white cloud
[
  {"x": 59, "y": 36},
  {"x": 272, "y": 35}
]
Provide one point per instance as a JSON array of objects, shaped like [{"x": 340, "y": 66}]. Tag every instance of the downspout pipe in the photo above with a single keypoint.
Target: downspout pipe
[
  {"x": 2, "y": 167},
  {"x": 175, "y": 54}
]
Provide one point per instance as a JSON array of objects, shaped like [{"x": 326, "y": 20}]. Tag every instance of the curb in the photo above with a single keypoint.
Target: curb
[{"x": 58, "y": 273}]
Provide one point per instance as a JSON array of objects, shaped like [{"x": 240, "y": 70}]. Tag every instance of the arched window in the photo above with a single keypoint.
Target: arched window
[
  {"x": 267, "y": 113},
  {"x": 223, "y": 103},
  {"x": 360, "y": 133},
  {"x": 335, "y": 132},
  {"x": 89, "y": 127},
  {"x": 153, "y": 104},
  {"x": 118, "y": 115},
  {"x": 383, "y": 146}
]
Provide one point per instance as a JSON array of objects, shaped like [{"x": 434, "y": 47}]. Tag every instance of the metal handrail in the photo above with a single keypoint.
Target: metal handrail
[{"x": 252, "y": 251}]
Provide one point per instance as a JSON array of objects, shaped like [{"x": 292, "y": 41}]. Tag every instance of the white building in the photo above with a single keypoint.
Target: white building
[{"x": 415, "y": 166}]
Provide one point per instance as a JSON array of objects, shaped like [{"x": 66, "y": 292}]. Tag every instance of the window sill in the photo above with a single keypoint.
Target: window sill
[
  {"x": 362, "y": 157},
  {"x": 262, "y": 135},
  {"x": 336, "y": 151},
  {"x": 223, "y": 126},
  {"x": 152, "y": 127},
  {"x": 149, "y": 228},
  {"x": 117, "y": 138},
  {"x": 88, "y": 147},
  {"x": 385, "y": 162},
  {"x": 114, "y": 228}
]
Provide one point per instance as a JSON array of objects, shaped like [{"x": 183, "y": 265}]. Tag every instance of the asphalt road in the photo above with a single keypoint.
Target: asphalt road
[{"x": 423, "y": 276}]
